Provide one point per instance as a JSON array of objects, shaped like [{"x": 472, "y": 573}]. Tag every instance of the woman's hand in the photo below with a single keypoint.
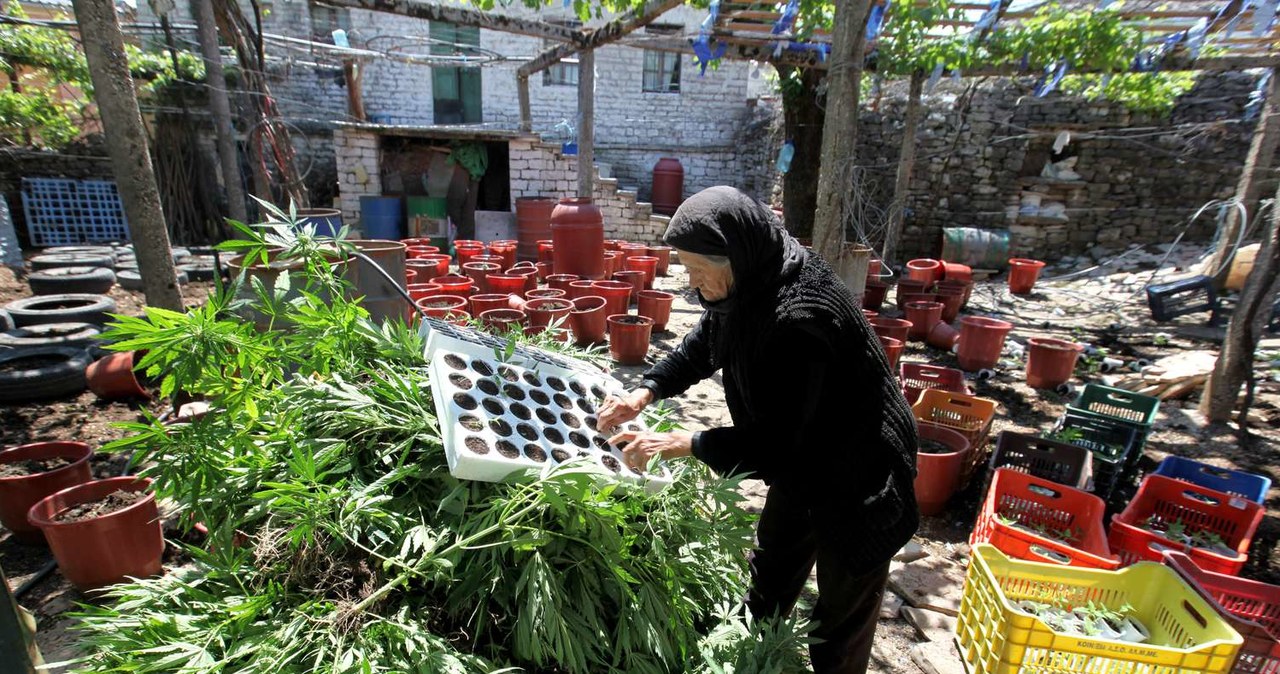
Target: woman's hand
[
  {"x": 617, "y": 410},
  {"x": 638, "y": 448}
]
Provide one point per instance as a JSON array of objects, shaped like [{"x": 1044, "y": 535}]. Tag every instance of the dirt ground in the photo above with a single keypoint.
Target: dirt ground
[{"x": 1098, "y": 308}]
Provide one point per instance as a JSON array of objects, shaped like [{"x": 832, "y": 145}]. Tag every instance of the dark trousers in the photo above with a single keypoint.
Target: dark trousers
[{"x": 848, "y": 605}]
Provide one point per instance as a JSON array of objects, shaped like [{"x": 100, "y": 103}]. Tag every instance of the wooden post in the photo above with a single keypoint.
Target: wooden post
[
  {"x": 906, "y": 161},
  {"x": 220, "y": 107},
  {"x": 127, "y": 145},
  {"x": 840, "y": 130},
  {"x": 16, "y": 641},
  {"x": 1257, "y": 164},
  {"x": 354, "y": 75},
  {"x": 526, "y": 110},
  {"x": 586, "y": 122}
]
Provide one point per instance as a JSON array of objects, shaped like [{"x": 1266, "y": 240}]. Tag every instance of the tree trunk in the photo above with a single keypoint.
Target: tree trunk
[
  {"x": 220, "y": 107},
  {"x": 1235, "y": 361},
  {"x": 586, "y": 122},
  {"x": 127, "y": 144},
  {"x": 840, "y": 128},
  {"x": 802, "y": 124},
  {"x": 15, "y": 638},
  {"x": 906, "y": 161},
  {"x": 1257, "y": 166}
]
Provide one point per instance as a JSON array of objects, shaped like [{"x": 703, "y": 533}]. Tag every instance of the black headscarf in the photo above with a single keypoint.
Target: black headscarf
[{"x": 725, "y": 221}]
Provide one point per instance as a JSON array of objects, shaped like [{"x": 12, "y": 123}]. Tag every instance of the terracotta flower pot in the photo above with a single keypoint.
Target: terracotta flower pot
[
  {"x": 424, "y": 270},
  {"x": 938, "y": 474},
  {"x": 890, "y": 327},
  {"x": 582, "y": 288},
  {"x": 479, "y": 274},
  {"x": 951, "y": 296},
  {"x": 529, "y": 274},
  {"x": 924, "y": 269},
  {"x": 614, "y": 244},
  {"x": 873, "y": 295},
  {"x": 1023, "y": 274},
  {"x": 544, "y": 270},
  {"x": 418, "y": 291},
  {"x": 908, "y": 286},
  {"x": 587, "y": 320},
  {"x": 19, "y": 492},
  {"x": 942, "y": 336},
  {"x": 645, "y": 264},
  {"x": 953, "y": 271},
  {"x": 561, "y": 281},
  {"x": 506, "y": 284},
  {"x": 635, "y": 278},
  {"x": 629, "y": 338},
  {"x": 417, "y": 241},
  {"x": 438, "y": 306},
  {"x": 500, "y": 321},
  {"x": 506, "y": 249},
  {"x": 454, "y": 284},
  {"x": 112, "y": 378},
  {"x": 907, "y": 298},
  {"x": 416, "y": 252},
  {"x": 410, "y": 276},
  {"x": 869, "y": 314},
  {"x": 630, "y": 250},
  {"x": 616, "y": 294},
  {"x": 612, "y": 261},
  {"x": 441, "y": 262},
  {"x": 546, "y": 251},
  {"x": 892, "y": 350},
  {"x": 981, "y": 340},
  {"x": 466, "y": 251},
  {"x": 491, "y": 259},
  {"x": 663, "y": 253},
  {"x": 923, "y": 316},
  {"x": 104, "y": 550},
  {"x": 1050, "y": 362},
  {"x": 656, "y": 304},
  {"x": 542, "y": 313},
  {"x": 545, "y": 293},
  {"x": 481, "y": 303}
]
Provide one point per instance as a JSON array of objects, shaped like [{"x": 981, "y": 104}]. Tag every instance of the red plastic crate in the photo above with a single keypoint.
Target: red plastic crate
[
  {"x": 916, "y": 377},
  {"x": 1038, "y": 502},
  {"x": 1250, "y": 607},
  {"x": 1232, "y": 518}
]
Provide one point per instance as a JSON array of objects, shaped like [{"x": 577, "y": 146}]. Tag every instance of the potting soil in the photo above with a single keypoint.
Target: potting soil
[
  {"x": 116, "y": 500},
  {"x": 20, "y": 468}
]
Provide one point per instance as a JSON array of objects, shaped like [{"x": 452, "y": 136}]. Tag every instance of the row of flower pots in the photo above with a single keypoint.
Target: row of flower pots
[
  {"x": 47, "y": 494},
  {"x": 1023, "y": 273},
  {"x": 617, "y": 256}
]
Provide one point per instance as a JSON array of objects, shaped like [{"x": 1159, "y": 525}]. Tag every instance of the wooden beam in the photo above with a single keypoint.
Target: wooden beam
[
  {"x": 906, "y": 162},
  {"x": 586, "y": 123},
  {"x": 463, "y": 17}
]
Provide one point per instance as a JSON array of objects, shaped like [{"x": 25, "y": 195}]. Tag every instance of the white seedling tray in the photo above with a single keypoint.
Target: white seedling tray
[
  {"x": 502, "y": 419},
  {"x": 440, "y": 335}
]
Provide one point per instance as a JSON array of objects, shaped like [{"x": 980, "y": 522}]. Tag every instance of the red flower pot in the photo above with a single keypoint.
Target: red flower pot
[
  {"x": 869, "y": 314},
  {"x": 1023, "y": 274},
  {"x": 479, "y": 274},
  {"x": 19, "y": 492},
  {"x": 562, "y": 281},
  {"x": 1050, "y": 362},
  {"x": 873, "y": 295},
  {"x": 410, "y": 275},
  {"x": 616, "y": 294},
  {"x": 938, "y": 474},
  {"x": 942, "y": 336},
  {"x": 635, "y": 278},
  {"x": 546, "y": 251},
  {"x": 612, "y": 261},
  {"x": 416, "y": 252},
  {"x": 500, "y": 321},
  {"x": 646, "y": 265},
  {"x": 424, "y": 270},
  {"x": 506, "y": 284},
  {"x": 544, "y": 270},
  {"x": 923, "y": 316},
  {"x": 581, "y": 288},
  {"x": 490, "y": 258},
  {"x": 613, "y": 244},
  {"x": 467, "y": 250},
  {"x": 506, "y": 249},
  {"x": 629, "y": 338},
  {"x": 924, "y": 269},
  {"x": 587, "y": 320},
  {"x": 656, "y": 304},
  {"x": 545, "y": 294},
  {"x": 908, "y": 286},
  {"x": 417, "y": 242},
  {"x": 104, "y": 550},
  {"x": 951, "y": 295},
  {"x": 439, "y": 306},
  {"x": 907, "y": 298},
  {"x": 453, "y": 284},
  {"x": 952, "y": 271},
  {"x": 418, "y": 291},
  {"x": 111, "y": 377},
  {"x": 542, "y": 312},
  {"x": 529, "y": 274},
  {"x": 441, "y": 262},
  {"x": 981, "y": 340},
  {"x": 663, "y": 253},
  {"x": 481, "y": 303},
  {"x": 890, "y": 327},
  {"x": 630, "y": 250},
  {"x": 892, "y": 350}
]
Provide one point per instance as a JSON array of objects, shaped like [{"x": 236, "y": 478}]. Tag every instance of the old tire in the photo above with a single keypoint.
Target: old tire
[
  {"x": 96, "y": 280},
  {"x": 66, "y": 308},
  {"x": 55, "y": 260},
  {"x": 198, "y": 271},
  {"x": 75, "y": 335},
  {"x": 6, "y": 321},
  {"x": 130, "y": 279},
  {"x": 41, "y": 373}
]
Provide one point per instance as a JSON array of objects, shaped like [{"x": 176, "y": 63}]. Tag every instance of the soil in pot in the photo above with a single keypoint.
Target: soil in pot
[
  {"x": 546, "y": 415},
  {"x": 514, "y": 392},
  {"x": 477, "y": 445},
  {"x": 540, "y": 397},
  {"x": 527, "y": 432},
  {"x": 508, "y": 374},
  {"x": 520, "y": 411},
  {"x": 465, "y": 401},
  {"x": 560, "y": 455},
  {"x": 20, "y": 468},
  {"x": 116, "y": 500},
  {"x": 556, "y": 383},
  {"x": 586, "y": 406},
  {"x": 590, "y": 421},
  {"x": 563, "y": 401},
  {"x": 610, "y": 463},
  {"x": 500, "y": 426},
  {"x": 570, "y": 420},
  {"x": 488, "y": 387},
  {"x": 508, "y": 450},
  {"x": 493, "y": 406},
  {"x": 482, "y": 367},
  {"x": 928, "y": 446},
  {"x": 579, "y": 439},
  {"x": 532, "y": 379},
  {"x": 554, "y": 436},
  {"x": 535, "y": 453},
  {"x": 460, "y": 381},
  {"x": 470, "y": 423}
]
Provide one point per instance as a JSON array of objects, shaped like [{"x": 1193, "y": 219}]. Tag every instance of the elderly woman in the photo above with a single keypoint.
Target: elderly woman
[{"x": 817, "y": 414}]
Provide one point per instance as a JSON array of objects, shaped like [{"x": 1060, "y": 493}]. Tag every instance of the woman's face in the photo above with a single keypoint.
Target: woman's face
[{"x": 713, "y": 281}]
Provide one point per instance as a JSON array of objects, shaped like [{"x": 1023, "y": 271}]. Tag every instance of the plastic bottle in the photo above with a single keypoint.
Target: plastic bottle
[
  {"x": 340, "y": 38},
  {"x": 784, "y": 157}
]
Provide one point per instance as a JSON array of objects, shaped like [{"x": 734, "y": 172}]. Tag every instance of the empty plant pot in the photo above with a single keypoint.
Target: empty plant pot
[
  {"x": 952, "y": 297},
  {"x": 906, "y": 287},
  {"x": 410, "y": 276},
  {"x": 663, "y": 253},
  {"x": 635, "y": 278},
  {"x": 614, "y": 244},
  {"x": 481, "y": 303},
  {"x": 454, "y": 284},
  {"x": 417, "y": 241},
  {"x": 506, "y": 284},
  {"x": 544, "y": 270},
  {"x": 655, "y": 304},
  {"x": 94, "y": 547},
  {"x": 646, "y": 264},
  {"x": 923, "y": 316},
  {"x": 587, "y": 320},
  {"x": 562, "y": 281},
  {"x": 581, "y": 288},
  {"x": 981, "y": 340},
  {"x": 869, "y": 314},
  {"x": 441, "y": 262},
  {"x": 940, "y": 461},
  {"x": 466, "y": 252},
  {"x": 438, "y": 306},
  {"x": 500, "y": 321},
  {"x": 418, "y": 291},
  {"x": 890, "y": 327},
  {"x": 529, "y": 274},
  {"x": 873, "y": 295},
  {"x": 1050, "y": 362},
  {"x": 892, "y": 350},
  {"x": 907, "y": 298},
  {"x": 415, "y": 252},
  {"x": 630, "y": 250},
  {"x": 424, "y": 270},
  {"x": 491, "y": 259},
  {"x": 479, "y": 274},
  {"x": 1023, "y": 274},
  {"x": 924, "y": 269},
  {"x": 506, "y": 249},
  {"x": 546, "y": 251},
  {"x": 616, "y": 294},
  {"x": 31, "y": 472},
  {"x": 612, "y": 262},
  {"x": 542, "y": 313},
  {"x": 629, "y": 338},
  {"x": 954, "y": 271},
  {"x": 942, "y": 336},
  {"x": 544, "y": 293},
  {"x": 112, "y": 378}
]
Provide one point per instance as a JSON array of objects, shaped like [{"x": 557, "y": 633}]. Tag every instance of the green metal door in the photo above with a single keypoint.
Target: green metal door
[{"x": 455, "y": 91}]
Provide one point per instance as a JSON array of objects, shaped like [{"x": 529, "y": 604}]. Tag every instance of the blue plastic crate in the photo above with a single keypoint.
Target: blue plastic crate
[
  {"x": 64, "y": 212},
  {"x": 1234, "y": 482}
]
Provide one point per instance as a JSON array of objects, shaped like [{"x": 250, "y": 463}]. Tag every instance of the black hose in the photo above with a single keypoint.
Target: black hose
[{"x": 39, "y": 576}]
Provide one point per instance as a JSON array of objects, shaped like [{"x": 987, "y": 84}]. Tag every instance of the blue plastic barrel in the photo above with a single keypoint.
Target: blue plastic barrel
[
  {"x": 383, "y": 218},
  {"x": 327, "y": 221}
]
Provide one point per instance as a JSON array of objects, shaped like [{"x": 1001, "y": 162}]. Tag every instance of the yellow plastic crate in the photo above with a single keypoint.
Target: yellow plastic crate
[{"x": 1187, "y": 634}]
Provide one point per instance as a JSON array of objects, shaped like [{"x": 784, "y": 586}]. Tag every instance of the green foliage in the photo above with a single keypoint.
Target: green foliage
[
  {"x": 36, "y": 111},
  {"x": 340, "y": 540},
  {"x": 1154, "y": 93}
]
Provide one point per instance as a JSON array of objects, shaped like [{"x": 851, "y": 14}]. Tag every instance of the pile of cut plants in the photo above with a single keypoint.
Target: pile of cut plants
[
  {"x": 338, "y": 541},
  {"x": 1091, "y": 619}
]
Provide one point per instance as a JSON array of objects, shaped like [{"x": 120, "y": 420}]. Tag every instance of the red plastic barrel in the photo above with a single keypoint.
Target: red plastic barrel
[
  {"x": 668, "y": 185},
  {"x": 533, "y": 222},
  {"x": 577, "y": 235}
]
